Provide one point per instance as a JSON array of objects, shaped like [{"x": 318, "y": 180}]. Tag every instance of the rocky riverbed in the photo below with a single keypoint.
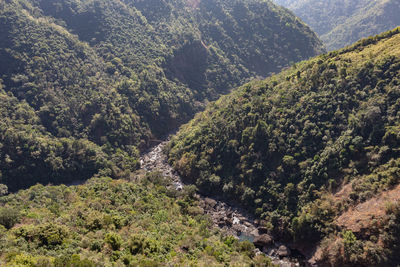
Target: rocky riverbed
[{"x": 232, "y": 220}]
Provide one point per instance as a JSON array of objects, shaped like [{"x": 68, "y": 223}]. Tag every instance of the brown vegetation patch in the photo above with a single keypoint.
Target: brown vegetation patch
[
  {"x": 344, "y": 192},
  {"x": 361, "y": 216}
]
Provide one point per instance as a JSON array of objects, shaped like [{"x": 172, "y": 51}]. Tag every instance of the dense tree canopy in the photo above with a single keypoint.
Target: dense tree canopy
[
  {"x": 277, "y": 146},
  {"x": 342, "y": 22},
  {"x": 87, "y": 84},
  {"x": 114, "y": 223}
]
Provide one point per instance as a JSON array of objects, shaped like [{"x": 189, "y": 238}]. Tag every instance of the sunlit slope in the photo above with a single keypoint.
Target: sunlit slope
[
  {"x": 109, "y": 222},
  {"x": 275, "y": 146},
  {"x": 342, "y": 22},
  {"x": 117, "y": 75}
]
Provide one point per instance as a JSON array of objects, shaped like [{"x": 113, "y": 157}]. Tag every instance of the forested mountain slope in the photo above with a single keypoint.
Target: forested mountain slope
[
  {"x": 86, "y": 84},
  {"x": 304, "y": 148},
  {"x": 342, "y": 22},
  {"x": 114, "y": 223}
]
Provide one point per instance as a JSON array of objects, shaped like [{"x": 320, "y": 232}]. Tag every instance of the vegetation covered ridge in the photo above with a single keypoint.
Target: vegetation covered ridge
[
  {"x": 86, "y": 85},
  {"x": 285, "y": 148},
  {"x": 107, "y": 222},
  {"x": 342, "y": 22}
]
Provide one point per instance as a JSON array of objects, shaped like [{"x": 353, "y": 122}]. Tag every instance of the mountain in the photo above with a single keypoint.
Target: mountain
[
  {"x": 86, "y": 85},
  {"x": 342, "y": 22},
  {"x": 109, "y": 222},
  {"x": 313, "y": 151}
]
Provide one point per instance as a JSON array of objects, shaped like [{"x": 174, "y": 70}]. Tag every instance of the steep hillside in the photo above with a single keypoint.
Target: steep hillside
[
  {"x": 342, "y": 22},
  {"x": 101, "y": 79},
  {"x": 284, "y": 146},
  {"x": 114, "y": 223}
]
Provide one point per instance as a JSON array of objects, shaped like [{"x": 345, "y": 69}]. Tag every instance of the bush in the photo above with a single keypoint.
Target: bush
[
  {"x": 96, "y": 246},
  {"x": 8, "y": 217},
  {"x": 72, "y": 261},
  {"x": 138, "y": 245},
  {"x": 114, "y": 240},
  {"x": 3, "y": 189},
  {"x": 51, "y": 235},
  {"x": 247, "y": 247}
]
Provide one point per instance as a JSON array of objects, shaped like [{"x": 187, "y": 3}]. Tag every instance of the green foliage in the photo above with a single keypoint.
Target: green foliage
[
  {"x": 282, "y": 145},
  {"x": 8, "y": 217},
  {"x": 114, "y": 222},
  {"x": 247, "y": 247},
  {"x": 114, "y": 240},
  {"x": 3, "y": 190},
  {"x": 45, "y": 235},
  {"x": 73, "y": 261},
  {"x": 87, "y": 84},
  {"x": 349, "y": 240},
  {"x": 341, "y": 22}
]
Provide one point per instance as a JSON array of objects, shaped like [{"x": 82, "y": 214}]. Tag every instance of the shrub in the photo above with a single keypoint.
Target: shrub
[
  {"x": 72, "y": 261},
  {"x": 8, "y": 217},
  {"x": 137, "y": 245},
  {"x": 114, "y": 240},
  {"x": 247, "y": 247},
  {"x": 51, "y": 235},
  {"x": 3, "y": 189},
  {"x": 96, "y": 246}
]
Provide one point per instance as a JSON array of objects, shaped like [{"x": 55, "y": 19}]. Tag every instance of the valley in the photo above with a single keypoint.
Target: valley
[
  {"x": 98, "y": 94},
  {"x": 199, "y": 133},
  {"x": 231, "y": 220}
]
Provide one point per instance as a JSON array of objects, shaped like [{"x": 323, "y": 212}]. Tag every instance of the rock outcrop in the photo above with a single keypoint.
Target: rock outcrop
[{"x": 263, "y": 240}]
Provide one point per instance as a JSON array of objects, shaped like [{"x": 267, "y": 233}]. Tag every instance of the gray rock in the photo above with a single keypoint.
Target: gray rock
[
  {"x": 210, "y": 202},
  {"x": 221, "y": 221},
  {"x": 254, "y": 233},
  {"x": 283, "y": 251},
  {"x": 263, "y": 240},
  {"x": 257, "y": 252},
  {"x": 269, "y": 251},
  {"x": 236, "y": 220}
]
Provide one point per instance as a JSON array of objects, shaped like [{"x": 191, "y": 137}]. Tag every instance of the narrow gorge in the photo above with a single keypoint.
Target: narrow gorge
[{"x": 230, "y": 219}]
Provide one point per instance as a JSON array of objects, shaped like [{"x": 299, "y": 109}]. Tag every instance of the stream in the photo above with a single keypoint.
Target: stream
[{"x": 230, "y": 219}]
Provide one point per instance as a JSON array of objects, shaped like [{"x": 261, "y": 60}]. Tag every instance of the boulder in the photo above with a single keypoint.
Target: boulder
[
  {"x": 263, "y": 240},
  {"x": 236, "y": 220},
  {"x": 210, "y": 202},
  {"x": 269, "y": 251},
  {"x": 283, "y": 251},
  {"x": 254, "y": 233},
  {"x": 221, "y": 223},
  {"x": 257, "y": 252},
  {"x": 217, "y": 217}
]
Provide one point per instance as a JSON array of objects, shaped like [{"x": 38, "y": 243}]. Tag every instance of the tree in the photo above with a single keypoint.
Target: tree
[
  {"x": 3, "y": 190},
  {"x": 8, "y": 217}
]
